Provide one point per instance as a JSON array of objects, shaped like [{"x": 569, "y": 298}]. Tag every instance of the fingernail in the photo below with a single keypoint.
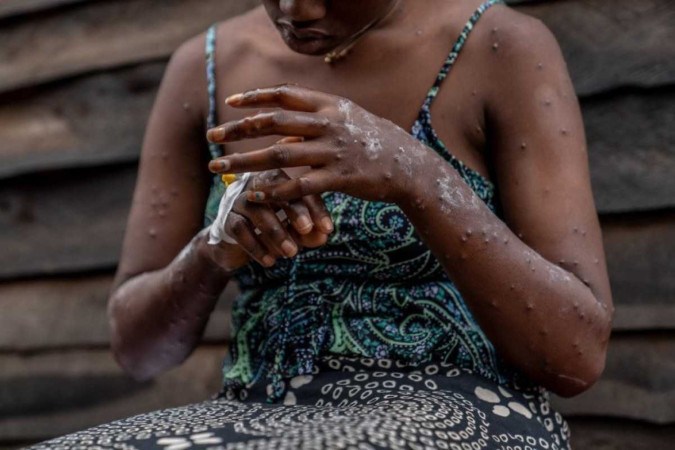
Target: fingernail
[
  {"x": 327, "y": 224},
  {"x": 233, "y": 99},
  {"x": 258, "y": 196},
  {"x": 215, "y": 166},
  {"x": 268, "y": 261},
  {"x": 289, "y": 248},
  {"x": 303, "y": 224},
  {"x": 215, "y": 134},
  {"x": 219, "y": 166}
]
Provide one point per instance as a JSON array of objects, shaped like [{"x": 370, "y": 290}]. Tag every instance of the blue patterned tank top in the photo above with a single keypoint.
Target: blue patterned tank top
[{"x": 374, "y": 290}]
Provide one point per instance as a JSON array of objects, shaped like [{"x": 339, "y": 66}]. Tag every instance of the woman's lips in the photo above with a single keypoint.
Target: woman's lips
[
  {"x": 311, "y": 41},
  {"x": 304, "y": 34}
]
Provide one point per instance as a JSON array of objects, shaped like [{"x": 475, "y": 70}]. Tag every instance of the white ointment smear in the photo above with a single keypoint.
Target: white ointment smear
[
  {"x": 450, "y": 196},
  {"x": 410, "y": 158},
  {"x": 370, "y": 135},
  {"x": 345, "y": 107},
  {"x": 453, "y": 197},
  {"x": 406, "y": 161},
  {"x": 555, "y": 273}
]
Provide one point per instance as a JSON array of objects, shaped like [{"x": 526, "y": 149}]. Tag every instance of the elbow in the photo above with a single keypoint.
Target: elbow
[
  {"x": 580, "y": 370},
  {"x": 580, "y": 376},
  {"x": 569, "y": 385},
  {"x": 125, "y": 353},
  {"x": 130, "y": 365}
]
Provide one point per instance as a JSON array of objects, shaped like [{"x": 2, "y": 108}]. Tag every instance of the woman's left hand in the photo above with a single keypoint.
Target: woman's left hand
[{"x": 348, "y": 149}]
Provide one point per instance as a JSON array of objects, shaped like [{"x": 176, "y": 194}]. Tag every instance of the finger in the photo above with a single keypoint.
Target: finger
[
  {"x": 314, "y": 239},
  {"x": 296, "y": 212},
  {"x": 284, "y": 123},
  {"x": 266, "y": 178},
  {"x": 299, "y": 216},
  {"x": 319, "y": 213},
  {"x": 241, "y": 230},
  {"x": 275, "y": 157},
  {"x": 290, "y": 97},
  {"x": 311, "y": 183},
  {"x": 272, "y": 231}
]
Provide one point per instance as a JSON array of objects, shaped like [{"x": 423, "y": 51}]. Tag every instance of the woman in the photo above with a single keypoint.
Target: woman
[{"x": 428, "y": 287}]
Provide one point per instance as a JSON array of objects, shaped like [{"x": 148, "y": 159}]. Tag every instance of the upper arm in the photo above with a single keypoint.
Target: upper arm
[
  {"x": 173, "y": 181},
  {"x": 539, "y": 155}
]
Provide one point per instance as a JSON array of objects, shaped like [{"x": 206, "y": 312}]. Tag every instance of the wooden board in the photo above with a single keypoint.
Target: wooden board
[
  {"x": 608, "y": 44},
  {"x": 70, "y": 313},
  {"x": 90, "y": 121},
  {"x": 631, "y": 150},
  {"x": 10, "y": 8},
  {"x": 44, "y": 396},
  {"x": 640, "y": 255},
  {"x": 64, "y": 222},
  {"x": 638, "y": 383},
  {"x": 102, "y": 35},
  {"x": 612, "y": 434}
]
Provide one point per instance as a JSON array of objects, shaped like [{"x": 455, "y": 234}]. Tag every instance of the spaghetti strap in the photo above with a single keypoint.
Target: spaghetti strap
[
  {"x": 210, "y": 50},
  {"x": 456, "y": 50},
  {"x": 424, "y": 131},
  {"x": 215, "y": 151}
]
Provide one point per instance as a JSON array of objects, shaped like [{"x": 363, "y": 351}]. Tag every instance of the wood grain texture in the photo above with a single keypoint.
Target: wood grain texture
[
  {"x": 631, "y": 141},
  {"x": 90, "y": 121},
  {"x": 70, "y": 313},
  {"x": 102, "y": 35},
  {"x": 607, "y": 44},
  {"x": 640, "y": 255},
  {"x": 12, "y": 8},
  {"x": 47, "y": 395},
  {"x": 638, "y": 383},
  {"x": 612, "y": 434},
  {"x": 64, "y": 222}
]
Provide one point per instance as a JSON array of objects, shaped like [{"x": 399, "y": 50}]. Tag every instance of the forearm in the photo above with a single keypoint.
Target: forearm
[
  {"x": 541, "y": 318},
  {"x": 158, "y": 317}
]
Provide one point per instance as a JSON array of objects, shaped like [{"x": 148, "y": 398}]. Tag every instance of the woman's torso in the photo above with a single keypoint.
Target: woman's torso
[{"x": 375, "y": 289}]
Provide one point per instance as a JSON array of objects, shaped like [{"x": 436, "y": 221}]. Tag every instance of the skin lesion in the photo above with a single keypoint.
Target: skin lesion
[{"x": 529, "y": 110}]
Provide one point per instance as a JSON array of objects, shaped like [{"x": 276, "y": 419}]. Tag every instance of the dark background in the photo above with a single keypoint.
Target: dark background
[{"x": 77, "y": 80}]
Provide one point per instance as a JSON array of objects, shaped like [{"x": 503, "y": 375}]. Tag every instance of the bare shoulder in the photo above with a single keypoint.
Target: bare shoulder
[
  {"x": 521, "y": 61},
  {"x": 235, "y": 38},
  {"x": 517, "y": 44},
  {"x": 516, "y": 32},
  {"x": 184, "y": 81}
]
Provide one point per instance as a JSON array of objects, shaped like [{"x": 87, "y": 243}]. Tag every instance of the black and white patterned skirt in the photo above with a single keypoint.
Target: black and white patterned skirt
[{"x": 351, "y": 404}]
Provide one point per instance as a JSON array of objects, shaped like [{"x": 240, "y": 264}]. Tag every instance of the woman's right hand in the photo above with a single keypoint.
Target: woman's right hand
[{"x": 262, "y": 236}]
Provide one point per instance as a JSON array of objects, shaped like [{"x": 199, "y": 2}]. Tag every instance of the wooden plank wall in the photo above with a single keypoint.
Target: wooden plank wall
[{"x": 74, "y": 70}]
